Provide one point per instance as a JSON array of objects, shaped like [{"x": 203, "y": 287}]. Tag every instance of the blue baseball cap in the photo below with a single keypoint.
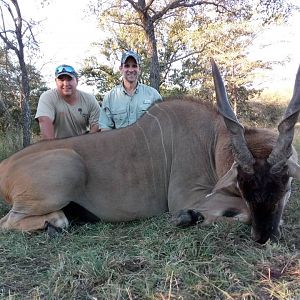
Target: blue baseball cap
[
  {"x": 65, "y": 70},
  {"x": 132, "y": 54}
]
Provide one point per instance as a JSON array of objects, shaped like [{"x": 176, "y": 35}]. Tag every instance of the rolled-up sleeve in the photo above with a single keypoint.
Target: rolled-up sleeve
[
  {"x": 105, "y": 119},
  {"x": 45, "y": 107},
  {"x": 94, "y": 112},
  {"x": 158, "y": 96}
]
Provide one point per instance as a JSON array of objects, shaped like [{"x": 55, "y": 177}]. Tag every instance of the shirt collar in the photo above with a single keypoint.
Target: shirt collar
[{"x": 135, "y": 91}]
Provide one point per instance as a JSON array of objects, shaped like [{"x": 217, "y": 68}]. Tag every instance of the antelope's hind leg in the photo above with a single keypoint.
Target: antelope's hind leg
[
  {"x": 39, "y": 185},
  {"x": 19, "y": 221}
]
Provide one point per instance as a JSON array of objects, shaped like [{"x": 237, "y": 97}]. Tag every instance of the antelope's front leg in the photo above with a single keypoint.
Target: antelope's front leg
[{"x": 187, "y": 217}]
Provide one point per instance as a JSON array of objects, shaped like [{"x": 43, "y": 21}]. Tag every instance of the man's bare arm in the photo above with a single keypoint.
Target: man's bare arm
[{"x": 46, "y": 127}]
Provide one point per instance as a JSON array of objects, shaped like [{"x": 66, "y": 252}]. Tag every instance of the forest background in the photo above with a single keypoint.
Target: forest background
[{"x": 175, "y": 39}]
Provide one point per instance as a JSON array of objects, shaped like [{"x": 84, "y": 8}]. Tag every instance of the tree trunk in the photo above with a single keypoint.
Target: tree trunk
[
  {"x": 152, "y": 49},
  {"x": 26, "y": 112},
  {"x": 26, "y": 124},
  {"x": 152, "y": 53},
  {"x": 25, "y": 87},
  {"x": 19, "y": 50}
]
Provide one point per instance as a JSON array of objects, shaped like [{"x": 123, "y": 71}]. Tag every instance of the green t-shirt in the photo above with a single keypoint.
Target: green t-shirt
[{"x": 69, "y": 120}]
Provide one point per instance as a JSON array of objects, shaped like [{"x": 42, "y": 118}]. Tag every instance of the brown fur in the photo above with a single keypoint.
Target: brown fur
[{"x": 170, "y": 160}]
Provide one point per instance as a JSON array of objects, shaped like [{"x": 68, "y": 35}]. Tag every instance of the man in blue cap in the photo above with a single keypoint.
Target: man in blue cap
[
  {"x": 127, "y": 102},
  {"x": 66, "y": 111}
]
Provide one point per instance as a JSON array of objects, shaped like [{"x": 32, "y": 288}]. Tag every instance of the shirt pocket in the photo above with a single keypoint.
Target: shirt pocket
[
  {"x": 120, "y": 118},
  {"x": 143, "y": 108}
]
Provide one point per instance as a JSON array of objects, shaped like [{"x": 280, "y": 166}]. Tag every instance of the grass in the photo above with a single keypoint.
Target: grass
[{"x": 151, "y": 259}]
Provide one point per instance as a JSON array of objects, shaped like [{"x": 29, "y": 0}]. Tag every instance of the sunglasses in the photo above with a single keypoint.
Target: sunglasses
[{"x": 67, "y": 69}]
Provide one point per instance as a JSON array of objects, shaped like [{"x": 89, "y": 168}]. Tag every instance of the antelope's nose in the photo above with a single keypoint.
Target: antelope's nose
[{"x": 258, "y": 237}]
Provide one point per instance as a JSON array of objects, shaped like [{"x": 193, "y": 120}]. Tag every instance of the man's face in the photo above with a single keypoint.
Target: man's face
[
  {"x": 66, "y": 85},
  {"x": 130, "y": 70}
]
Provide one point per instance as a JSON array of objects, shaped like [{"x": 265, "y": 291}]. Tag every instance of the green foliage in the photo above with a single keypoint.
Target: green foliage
[
  {"x": 265, "y": 109},
  {"x": 10, "y": 93},
  {"x": 10, "y": 142},
  {"x": 100, "y": 75},
  {"x": 186, "y": 37}
]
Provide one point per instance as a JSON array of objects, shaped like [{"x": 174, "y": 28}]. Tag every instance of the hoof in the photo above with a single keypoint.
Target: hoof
[
  {"x": 52, "y": 230},
  {"x": 187, "y": 218}
]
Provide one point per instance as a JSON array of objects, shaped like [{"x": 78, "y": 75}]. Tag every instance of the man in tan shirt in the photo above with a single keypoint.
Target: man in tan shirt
[{"x": 66, "y": 111}]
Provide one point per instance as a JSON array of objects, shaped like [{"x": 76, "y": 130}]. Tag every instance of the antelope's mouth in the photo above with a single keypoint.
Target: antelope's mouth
[{"x": 260, "y": 237}]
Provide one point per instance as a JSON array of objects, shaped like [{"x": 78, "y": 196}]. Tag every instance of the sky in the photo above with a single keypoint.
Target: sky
[
  {"x": 66, "y": 33},
  {"x": 276, "y": 44}
]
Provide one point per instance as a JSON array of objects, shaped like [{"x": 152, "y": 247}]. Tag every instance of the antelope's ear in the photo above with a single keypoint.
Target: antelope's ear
[
  {"x": 229, "y": 179},
  {"x": 294, "y": 169}
]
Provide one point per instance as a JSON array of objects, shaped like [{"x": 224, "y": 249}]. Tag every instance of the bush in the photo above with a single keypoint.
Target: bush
[
  {"x": 264, "y": 110},
  {"x": 10, "y": 142}
]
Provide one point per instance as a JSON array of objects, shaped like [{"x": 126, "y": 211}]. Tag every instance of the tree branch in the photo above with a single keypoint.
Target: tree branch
[
  {"x": 136, "y": 6},
  {"x": 148, "y": 5},
  {"x": 183, "y": 3}
]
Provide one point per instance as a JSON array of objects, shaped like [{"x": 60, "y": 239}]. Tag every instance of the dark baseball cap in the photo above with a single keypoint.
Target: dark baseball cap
[
  {"x": 132, "y": 54},
  {"x": 65, "y": 70}
]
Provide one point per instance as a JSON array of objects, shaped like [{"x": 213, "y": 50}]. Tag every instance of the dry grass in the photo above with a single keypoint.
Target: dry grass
[{"x": 151, "y": 259}]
